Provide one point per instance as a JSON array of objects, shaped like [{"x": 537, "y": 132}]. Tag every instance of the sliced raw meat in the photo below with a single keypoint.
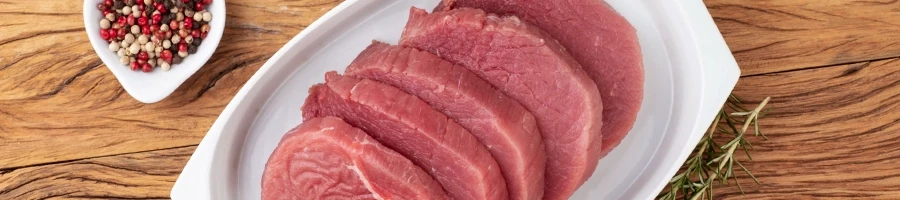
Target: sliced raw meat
[
  {"x": 325, "y": 158},
  {"x": 404, "y": 123},
  {"x": 531, "y": 67},
  {"x": 500, "y": 123},
  {"x": 600, "y": 39}
]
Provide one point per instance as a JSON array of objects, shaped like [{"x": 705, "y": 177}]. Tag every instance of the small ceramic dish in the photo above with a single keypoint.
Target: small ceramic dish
[{"x": 157, "y": 85}]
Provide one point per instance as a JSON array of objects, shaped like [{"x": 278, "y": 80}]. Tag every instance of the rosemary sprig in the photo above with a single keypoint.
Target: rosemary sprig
[{"x": 711, "y": 162}]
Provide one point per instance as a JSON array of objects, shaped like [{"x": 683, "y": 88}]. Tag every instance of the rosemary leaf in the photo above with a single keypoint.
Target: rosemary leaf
[{"x": 711, "y": 163}]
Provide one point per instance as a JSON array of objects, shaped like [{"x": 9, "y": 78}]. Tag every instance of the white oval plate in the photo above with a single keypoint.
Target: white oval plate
[{"x": 689, "y": 73}]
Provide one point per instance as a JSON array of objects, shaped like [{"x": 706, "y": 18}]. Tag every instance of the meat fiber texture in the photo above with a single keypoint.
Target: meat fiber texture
[
  {"x": 600, "y": 39},
  {"x": 402, "y": 122},
  {"x": 506, "y": 128},
  {"x": 529, "y": 66},
  {"x": 326, "y": 158}
]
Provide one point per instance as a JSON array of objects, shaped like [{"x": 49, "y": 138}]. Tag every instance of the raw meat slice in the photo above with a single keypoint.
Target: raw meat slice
[
  {"x": 600, "y": 39},
  {"x": 529, "y": 66},
  {"x": 404, "y": 123},
  {"x": 500, "y": 123},
  {"x": 325, "y": 158}
]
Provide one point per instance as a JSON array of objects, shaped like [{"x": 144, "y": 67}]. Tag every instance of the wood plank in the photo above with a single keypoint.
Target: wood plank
[
  {"x": 59, "y": 102},
  {"x": 773, "y": 36},
  {"x": 834, "y": 132},
  {"x": 147, "y": 175}
]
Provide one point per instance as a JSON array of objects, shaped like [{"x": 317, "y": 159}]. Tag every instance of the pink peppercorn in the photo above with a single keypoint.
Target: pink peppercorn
[
  {"x": 146, "y": 67},
  {"x": 130, "y": 20},
  {"x": 135, "y": 66},
  {"x": 161, "y": 8},
  {"x": 104, "y": 34},
  {"x": 142, "y": 21},
  {"x": 121, "y": 21},
  {"x": 121, "y": 34},
  {"x": 143, "y": 56},
  {"x": 188, "y": 22}
]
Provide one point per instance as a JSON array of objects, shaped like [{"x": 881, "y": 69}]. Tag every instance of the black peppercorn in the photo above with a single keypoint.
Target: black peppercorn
[
  {"x": 196, "y": 42},
  {"x": 166, "y": 19},
  {"x": 167, "y": 4},
  {"x": 129, "y": 2},
  {"x": 192, "y": 49},
  {"x": 119, "y": 5},
  {"x": 176, "y": 59},
  {"x": 150, "y": 10},
  {"x": 195, "y": 25}
]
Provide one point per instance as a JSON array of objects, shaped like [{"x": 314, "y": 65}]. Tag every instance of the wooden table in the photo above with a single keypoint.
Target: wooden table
[{"x": 68, "y": 130}]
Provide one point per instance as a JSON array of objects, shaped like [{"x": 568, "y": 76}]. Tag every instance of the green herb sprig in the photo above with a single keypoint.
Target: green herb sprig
[{"x": 710, "y": 162}]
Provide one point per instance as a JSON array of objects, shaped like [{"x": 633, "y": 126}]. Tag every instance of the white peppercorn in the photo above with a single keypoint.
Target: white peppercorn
[
  {"x": 165, "y": 66},
  {"x": 164, "y": 27},
  {"x": 124, "y": 60},
  {"x": 159, "y": 61},
  {"x": 104, "y": 24},
  {"x": 113, "y": 46},
  {"x": 152, "y": 62},
  {"x": 173, "y": 10},
  {"x": 115, "y": 25},
  {"x": 154, "y": 40},
  {"x": 158, "y": 49},
  {"x": 198, "y": 16},
  {"x": 151, "y": 55},
  {"x": 147, "y": 2},
  {"x": 179, "y": 17},
  {"x": 135, "y": 11},
  {"x": 110, "y": 16},
  {"x": 118, "y": 11},
  {"x": 135, "y": 29},
  {"x": 176, "y": 39},
  {"x": 121, "y": 52},
  {"x": 166, "y": 44},
  {"x": 143, "y": 39},
  {"x": 126, "y": 10},
  {"x": 149, "y": 47},
  {"x": 207, "y": 16},
  {"x": 125, "y": 45},
  {"x": 189, "y": 39},
  {"x": 135, "y": 48},
  {"x": 183, "y": 54},
  {"x": 129, "y": 38},
  {"x": 189, "y": 12}
]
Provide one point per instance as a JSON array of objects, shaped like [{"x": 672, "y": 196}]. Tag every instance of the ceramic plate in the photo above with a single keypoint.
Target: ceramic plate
[{"x": 689, "y": 73}]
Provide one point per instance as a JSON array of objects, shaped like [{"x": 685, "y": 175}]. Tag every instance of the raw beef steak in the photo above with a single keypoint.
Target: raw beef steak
[
  {"x": 411, "y": 127},
  {"x": 600, "y": 39},
  {"x": 499, "y": 122},
  {"x": 325, "y": 158},
  {"x": 531, "y": 67}
]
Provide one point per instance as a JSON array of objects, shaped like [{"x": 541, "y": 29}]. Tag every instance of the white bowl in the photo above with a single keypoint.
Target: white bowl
[
  {"x": 157, "y": 85},
  {"x": 689, "y": 74}
]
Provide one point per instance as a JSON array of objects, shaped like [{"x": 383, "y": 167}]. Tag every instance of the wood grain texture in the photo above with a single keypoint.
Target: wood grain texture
[
  {"x": 771, "y": 36},
  {"x": 834, "y": 132},
  {"x": 146, "y": 175},
  {"x": 59, "y": 102}
]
